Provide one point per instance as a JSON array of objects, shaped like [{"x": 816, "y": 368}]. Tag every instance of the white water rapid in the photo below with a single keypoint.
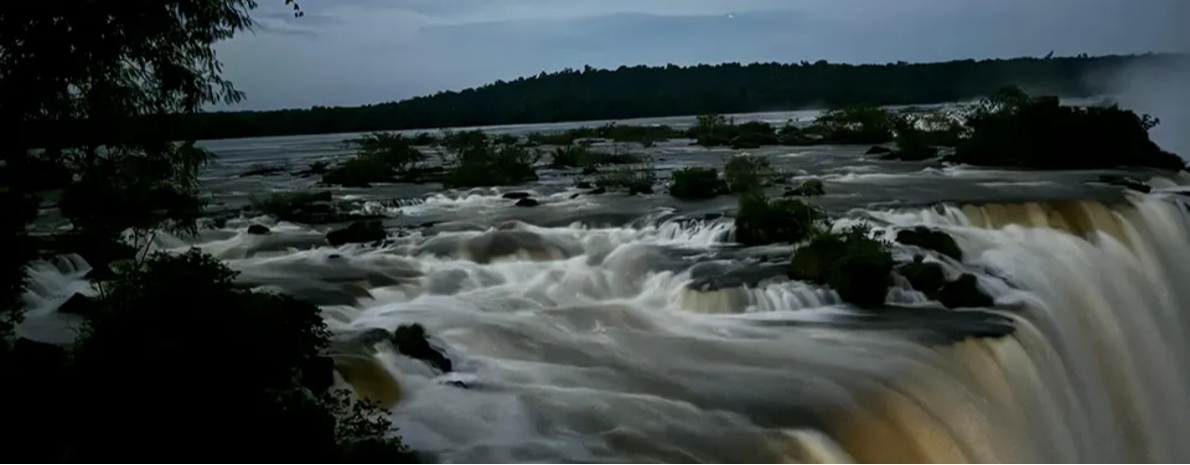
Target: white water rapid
[{"x": 661, "y": 341}]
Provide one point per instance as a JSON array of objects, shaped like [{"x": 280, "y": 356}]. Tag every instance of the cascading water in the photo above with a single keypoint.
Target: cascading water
[{"x": 657, "y": 339}]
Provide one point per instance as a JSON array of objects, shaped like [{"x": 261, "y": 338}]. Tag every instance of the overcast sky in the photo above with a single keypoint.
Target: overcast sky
[{"x": 351, "y": 52}]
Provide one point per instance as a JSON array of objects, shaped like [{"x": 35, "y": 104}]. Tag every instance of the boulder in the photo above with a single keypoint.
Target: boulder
[
  {"x": 928, "y": 278},
  {"x": 527, "y": 202},
  {"x": 78, "y": 304},
  {"x": 1126, "y": 182},
  {"x": 582, "y": 185},
  {"x": 263, "y": 171},
  {"x": 878, "y": 150},
  {"x": 517, "y": 195},
  {"x": 809, "y": 188},
  {"x": 931, "y": 239},
  {"x": 357, "y": 233},
  {"x": 411, "y": 340},
  {"x": 964, "y": 292},
  {"x": 257, "y": 229}
]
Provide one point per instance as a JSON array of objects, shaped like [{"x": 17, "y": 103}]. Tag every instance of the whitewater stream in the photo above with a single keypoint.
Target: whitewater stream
[{"x": 614, "y": 328}]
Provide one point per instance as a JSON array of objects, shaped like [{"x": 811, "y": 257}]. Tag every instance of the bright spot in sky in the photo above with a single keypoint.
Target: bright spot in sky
[{"x": 730, "y": 16}]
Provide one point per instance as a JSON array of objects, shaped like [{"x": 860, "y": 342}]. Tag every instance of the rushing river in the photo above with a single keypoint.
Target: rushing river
[{"x": 612, "y": 328}]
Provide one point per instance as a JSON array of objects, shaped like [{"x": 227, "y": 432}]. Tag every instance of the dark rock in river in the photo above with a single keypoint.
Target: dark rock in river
[
  {"x": 915, "y": 154},
  {"x": 928, "y": 278},
  {"x": 809, "y": 188},
  {"x": 263, "y": 171},
  {"x": 1126, "y": 182},
  {"x": 598, "y": 191},
  {"x": 582, "y": 185},
  {"x": 257, "y": 229},
  {"x": 411, "y": 341},
  {"x": 527, "y": 203},
  {"x": 359, "y": 232},
  {"x": 878, "y": 150},
  {"x": 964, "y": 293},
  {"x": 78, "y": 304},
  {"x": 931, "y": 239},
  {"x": 517, "y": 195}
]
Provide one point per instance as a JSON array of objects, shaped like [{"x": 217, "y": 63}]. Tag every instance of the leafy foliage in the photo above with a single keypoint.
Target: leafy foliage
[
  {"x": 229, "y": 353},
  {"x": 696, "y": 184},
  {"x": 855, "y": 124},
  {"x": 1015, "y": 130},
  {"x": 762, "y": 221},
  {"x": 744, "y": 173},
  {"x": 380, "y": 157},
  {"x": 856, "y": 266},
  {"x": 633, "y": 180},
  {"x": 488, "y": 164}
]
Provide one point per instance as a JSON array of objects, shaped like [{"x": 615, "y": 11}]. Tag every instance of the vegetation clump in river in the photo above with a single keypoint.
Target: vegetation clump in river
[
  {"x": 852, "y": 263},
  {"x": 1013, "y": 129}
]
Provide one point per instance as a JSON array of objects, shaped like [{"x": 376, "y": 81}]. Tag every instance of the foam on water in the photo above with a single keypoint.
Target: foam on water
[{"x": 662, "y": 341}]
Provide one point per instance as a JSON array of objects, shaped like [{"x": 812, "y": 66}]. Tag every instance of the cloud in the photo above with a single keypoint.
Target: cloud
[{"x": 347, "y": 52}]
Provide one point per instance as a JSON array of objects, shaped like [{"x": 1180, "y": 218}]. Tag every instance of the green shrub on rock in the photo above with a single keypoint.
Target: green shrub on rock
[
  {"x": 746, "y": 172},
  {"x": 634, "y": 181},
  {"x": 1013, "y": 129},
  {"x": 696, "y": 184},
  {"x": 380, "y": 157},
  {"x": 486, "y": 164},
  {"x": 856, "y": 266},
  {"x": 762, "y": 221}
]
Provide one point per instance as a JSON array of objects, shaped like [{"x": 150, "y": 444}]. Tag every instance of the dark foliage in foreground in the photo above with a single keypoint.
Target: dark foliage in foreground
[{"x": 856, "y": 266}]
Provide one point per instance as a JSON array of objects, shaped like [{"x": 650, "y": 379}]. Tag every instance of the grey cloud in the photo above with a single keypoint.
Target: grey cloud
[{"x": 369, "y": 51}]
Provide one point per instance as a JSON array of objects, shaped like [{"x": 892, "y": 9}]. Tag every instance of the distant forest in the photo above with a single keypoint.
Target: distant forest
[{"x": 643, "y": 91}]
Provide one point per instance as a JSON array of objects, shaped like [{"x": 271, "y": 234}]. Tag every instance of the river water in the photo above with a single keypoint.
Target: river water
[{"x": 612, "y": 328}]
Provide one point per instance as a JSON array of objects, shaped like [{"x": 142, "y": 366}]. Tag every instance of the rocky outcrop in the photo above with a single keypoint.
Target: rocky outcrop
[
  {"x": 931, "y": 239},
  {"x": 359, "y": 232}
]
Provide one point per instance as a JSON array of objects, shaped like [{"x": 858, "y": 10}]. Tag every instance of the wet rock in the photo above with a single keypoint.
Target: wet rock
[
  {"x": 911, "y": 154},
  {"x": 582, "y": 185},
  {"x": 101, "y": 272},
  {"x": 527, "y": 203},
  {"x": 809, "y": 188},
  {"x": 641, "y": 189},
  {"x": 964, "y": 292},
  {"x": 517, "y": 195},
  {"x": 575, "y": 196},
  {"x": 457, "y": 383},
  {"x": 928, "y": 278},
  {"x": 258, "y": 229},
  {"x": 1126, "y": 182},
  {"x": 78, "y": 304},
  {"x": 931, "y": 239},
  {"x": 262, "y": 171},
  {"x": 96, "y": 249},
  {"x": 358, "y": 233},
  {"x": 371, "y": 337},
  {"x": 878, "y": 150},
  {"x": 598, "y": 191},
  {"x": 411, "y": 341},
  {"x": 589, "y": 170}
]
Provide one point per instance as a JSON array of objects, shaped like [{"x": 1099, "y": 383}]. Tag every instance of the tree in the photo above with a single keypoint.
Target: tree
[{"x": 90, "y": 94}]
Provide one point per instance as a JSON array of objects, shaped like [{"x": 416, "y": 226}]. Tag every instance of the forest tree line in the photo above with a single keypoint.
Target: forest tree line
[{"x": 643, "y": 91}]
